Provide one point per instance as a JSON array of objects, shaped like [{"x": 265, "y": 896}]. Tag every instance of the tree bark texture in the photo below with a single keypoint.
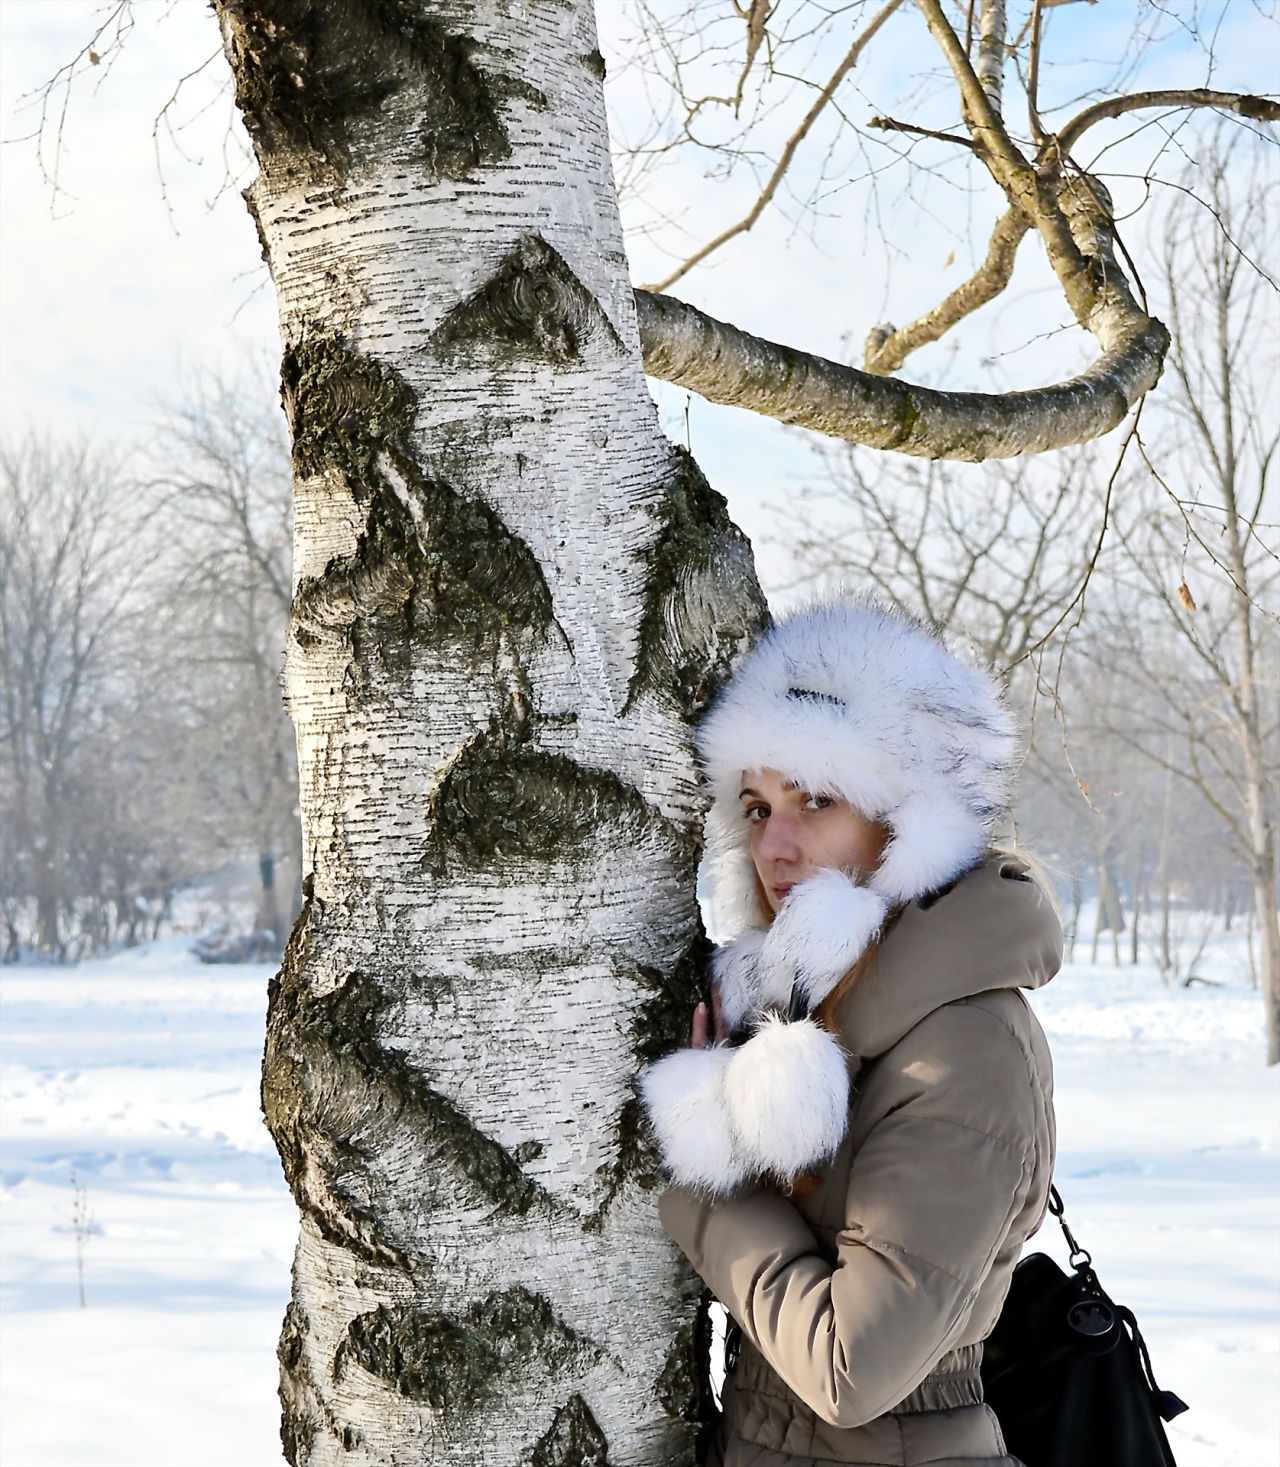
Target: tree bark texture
[{"x": 510, "y": 594}]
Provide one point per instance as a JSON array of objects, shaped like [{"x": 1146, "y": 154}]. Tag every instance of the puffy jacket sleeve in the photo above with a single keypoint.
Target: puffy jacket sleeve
[{"x": 945, "y": 1157}]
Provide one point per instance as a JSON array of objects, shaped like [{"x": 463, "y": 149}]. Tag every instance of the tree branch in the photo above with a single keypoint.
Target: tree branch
[
  {"x": 1033, "y": 74},
  {"x": 990, "y": 65},
  {"x": 726, "y": 365},
  {"x": 1261, "y": 109},
  {"x": 891, "y": 124},
  {"x": 788, "y": 153},
  {"x": 888, "y": 348},
  {"x": 1022, "y": 185},
  {"x": 757, "y": 18}
]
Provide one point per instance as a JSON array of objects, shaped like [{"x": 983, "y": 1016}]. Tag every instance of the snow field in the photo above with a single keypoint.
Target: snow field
[
  {"x": 1169, "y": 1134},
  {"x": 139, "y": 1073}
]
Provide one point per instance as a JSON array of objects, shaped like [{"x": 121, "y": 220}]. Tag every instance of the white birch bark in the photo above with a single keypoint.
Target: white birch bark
[
  {"x": 510, "y": 593},
  {"x": 989, "y": 66}
]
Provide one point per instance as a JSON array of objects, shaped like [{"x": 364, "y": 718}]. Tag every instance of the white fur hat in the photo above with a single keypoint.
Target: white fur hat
[
  {"x": 844, "y": 698},
  {"x": 848, "y": 698}
]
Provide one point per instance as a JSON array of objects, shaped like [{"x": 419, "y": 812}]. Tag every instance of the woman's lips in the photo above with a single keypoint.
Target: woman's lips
[{"x": 781, "y": 891}]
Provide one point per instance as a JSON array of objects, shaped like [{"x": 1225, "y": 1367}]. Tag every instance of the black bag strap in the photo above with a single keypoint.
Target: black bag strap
[{"x": 1080, "y": 1257}]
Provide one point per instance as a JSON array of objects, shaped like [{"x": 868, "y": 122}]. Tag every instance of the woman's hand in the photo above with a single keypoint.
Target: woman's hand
[{"x": 698, "y": 1033}]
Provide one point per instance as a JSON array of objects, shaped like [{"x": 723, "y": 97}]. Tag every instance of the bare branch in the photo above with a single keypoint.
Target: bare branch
[
  {"x": 1261, "y": 109},
  {"x": 724, "y": 364},
  {"x": 757, "y": 17},
  {"x": 1033, "y": 73},
  {"x": 888, "y": 348},
  {"x": 788, "y": 152},
  {"x": 1022, "y": 185},
  {"x": 1077, "y": 601},
  {"x": 891, "y": 124}
]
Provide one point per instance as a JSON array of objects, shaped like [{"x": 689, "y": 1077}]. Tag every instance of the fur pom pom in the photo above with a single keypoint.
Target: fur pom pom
[
  {"x": 736, "y": 970},
  {"x": 786, "y": 1091},
  {"x": 683, "y": 1095},
  {"x": 823, "y": 928}
]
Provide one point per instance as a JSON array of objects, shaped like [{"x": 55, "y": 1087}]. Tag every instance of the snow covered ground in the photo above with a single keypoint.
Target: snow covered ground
[{"x": 138, "y": 1074}]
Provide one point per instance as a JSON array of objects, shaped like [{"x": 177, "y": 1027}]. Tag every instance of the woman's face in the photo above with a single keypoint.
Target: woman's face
[{"x": 795, "y": 833}]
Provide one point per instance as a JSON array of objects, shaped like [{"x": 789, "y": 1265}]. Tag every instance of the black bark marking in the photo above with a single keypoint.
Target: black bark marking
[
  {"x": 476, "y": 575},
  {"x": 333, "y": 1095},
  {"x": 299, "y": 1418},
  {"x": 456, "y": 573},
  {"x": 430, "y": 562},
  {"x": 594, "y": 62},
  {"x": 308, "y": 72},
  {"x": 502, "y": 799},
  {"x": 345, "y": 409},
  {"x": 574, "y": 1439},
  {"x": 533, "y": 306},
  {"x": 659, "y": 1025},
  {"x": 251, "y": 205},
  {"x": 375, "y": 583},
  {"x": 454, "y": 1364},
  {"x": 684, "y": 1386},
  {"x": 702, "y": 603}
]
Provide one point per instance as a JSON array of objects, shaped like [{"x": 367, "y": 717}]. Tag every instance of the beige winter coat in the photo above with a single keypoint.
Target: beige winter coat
[{"x": 863, "y": 1305}]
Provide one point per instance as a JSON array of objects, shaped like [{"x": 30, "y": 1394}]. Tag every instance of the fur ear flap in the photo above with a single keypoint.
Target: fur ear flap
[
  {"x": 735, "y": 968},
  {"x": 823, "y": 928},
  {"x": 935, "y": 839},
  {"x": 727, "y": 878},
  {"x": 684, "y": 1097},
  {"x": 787, "y": 1095}
]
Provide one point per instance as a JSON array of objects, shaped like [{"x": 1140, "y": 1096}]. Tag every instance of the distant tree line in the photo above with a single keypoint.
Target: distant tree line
[{"x": 143, "y": 741}]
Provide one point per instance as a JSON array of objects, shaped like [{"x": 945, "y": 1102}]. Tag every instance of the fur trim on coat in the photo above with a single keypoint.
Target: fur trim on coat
[{"x": 849, "y": 699}]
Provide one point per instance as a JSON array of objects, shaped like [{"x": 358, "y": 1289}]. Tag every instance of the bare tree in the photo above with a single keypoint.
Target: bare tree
[
  {"x": 996, "y": 556},
  {"x": 86, "y": 844},
  {"x": 1203, "y": 551},
  {"x": 225, "y": 497}
]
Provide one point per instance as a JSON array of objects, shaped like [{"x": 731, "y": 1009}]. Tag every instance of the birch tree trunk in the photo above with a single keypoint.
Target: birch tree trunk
[{"x": 510, "y": 593}]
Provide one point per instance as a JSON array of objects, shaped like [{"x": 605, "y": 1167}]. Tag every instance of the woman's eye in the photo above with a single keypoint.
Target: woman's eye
[
  {"x": 756, "y": 813},
  {"x": 818, "y": 802}
]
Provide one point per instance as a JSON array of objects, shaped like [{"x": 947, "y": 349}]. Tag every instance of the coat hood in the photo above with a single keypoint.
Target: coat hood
[
  {"x": 778, "y": 1103},
  {"x": 995, "y": 928}
]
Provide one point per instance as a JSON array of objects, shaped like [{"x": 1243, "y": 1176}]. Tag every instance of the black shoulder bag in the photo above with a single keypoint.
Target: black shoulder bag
[{"x": 1067, "y": 1372}]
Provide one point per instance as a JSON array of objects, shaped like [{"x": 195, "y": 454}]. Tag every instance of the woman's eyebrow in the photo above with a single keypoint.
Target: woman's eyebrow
[{"x": 747, "y": 790}]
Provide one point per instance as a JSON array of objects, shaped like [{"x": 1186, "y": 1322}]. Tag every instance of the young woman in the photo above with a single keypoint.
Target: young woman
[{"x": 860, "y": 1154}]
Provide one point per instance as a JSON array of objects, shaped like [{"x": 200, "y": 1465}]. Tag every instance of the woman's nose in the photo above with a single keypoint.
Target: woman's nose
[{"x": 778, "y": 840}]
